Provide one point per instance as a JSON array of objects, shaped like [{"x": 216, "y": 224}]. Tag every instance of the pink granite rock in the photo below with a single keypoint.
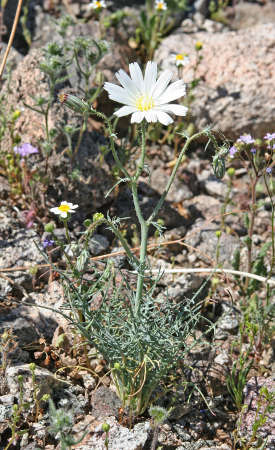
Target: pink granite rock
[{"x": 236, "y": 93}]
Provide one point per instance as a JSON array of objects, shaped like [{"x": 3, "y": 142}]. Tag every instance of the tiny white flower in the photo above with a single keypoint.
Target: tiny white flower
[
  {"x": 64, "y": 209},
  {"x": 97, "y": 4},
  {"x": 160, "y": 5},
  {"x": 182, "y": 60},
  {"x": 146, "y": 97}
]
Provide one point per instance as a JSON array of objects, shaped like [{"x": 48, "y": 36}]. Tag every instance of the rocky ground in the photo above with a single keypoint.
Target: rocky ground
[{"x": 236, "y": 94}]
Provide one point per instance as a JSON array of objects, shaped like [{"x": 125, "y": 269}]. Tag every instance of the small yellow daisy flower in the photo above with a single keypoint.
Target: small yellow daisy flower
[
  {"x": 97, "y": 4},
  {"x": 64, "y": 209},
  {"x": 160, "y": 5},
  {"x": 182, "y": 59}
]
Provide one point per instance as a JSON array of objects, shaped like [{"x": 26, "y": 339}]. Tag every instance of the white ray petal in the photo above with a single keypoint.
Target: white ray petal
[
  {"x": 137, "y": 76},
  {"x": 161, "y": 84},
  {"x": 179, "y": 110},
  {"x": 125, "y": 110},
  {"x": 173, "y": 92},
  {"x": 164, "y": 118},
  {"x": 137, "y": 117},
  {"x": 151, "y": 116},
  {"x": 126, "y": 82},
  {"x": 150, "y": 76}
]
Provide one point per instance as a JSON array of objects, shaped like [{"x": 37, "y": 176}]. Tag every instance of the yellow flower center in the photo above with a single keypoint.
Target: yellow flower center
[
  {"x": 64, "y": 208},
  {"x": 144, "y": 103},
  {"x": 98, "y": 4},
  {"x": 179, "y": 57},
  {"x": 160, "y": 6}
]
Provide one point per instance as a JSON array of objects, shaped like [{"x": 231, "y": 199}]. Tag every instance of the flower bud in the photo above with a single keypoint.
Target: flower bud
[
  {"x": 15, "y": 115},
  {"x": 231, "y": 172},
  {"x": 198, "y": 46},
  {"x": 218, "y": 233},
  {"x": 49, "y": 227},
  {"x": 32, "y": 366},
  {"x": 105, "y": 427},
  {"x": 87, "y": 223},
  {"x": 73, "y": 103},
  {"x": 117, "y": 366},
  {"x": 98, "y": 216}
]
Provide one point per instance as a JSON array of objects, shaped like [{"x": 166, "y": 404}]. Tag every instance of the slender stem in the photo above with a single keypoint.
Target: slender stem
[
  {"x": 112, "y": 141},
  {"x": 14, "y": 26},
  {"x": 67, "y": 231},
  {"x": 272, "y": 227},
  {"x": 172, "y": 177},
  {"x": 143, "y": 225},
  {"x": 251, "y": 226},
  {"x": 80, "y": 137}
]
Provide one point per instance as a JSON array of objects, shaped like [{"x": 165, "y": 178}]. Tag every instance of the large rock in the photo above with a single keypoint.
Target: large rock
[{"x": 237, "y": 73}]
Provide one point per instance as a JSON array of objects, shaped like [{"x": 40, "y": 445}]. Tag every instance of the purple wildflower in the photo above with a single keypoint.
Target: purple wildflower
[
  {"x": 253, "y": 150},
  {"x": 269, "y": 136},
  {"x": 25, "y": 150},
  {"x": 246, "y": 139},
  {"x": 232, "y": 151},
  {"x": 48, "y": 243},
  {"x": 268, "y": 170}
]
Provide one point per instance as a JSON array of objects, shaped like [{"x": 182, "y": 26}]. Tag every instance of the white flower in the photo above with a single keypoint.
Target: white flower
[
  {"x": 147, "y": 98},
  {"x": 97, "y": 4},
  {"x": 64, "y": 209},
  {"x": 182, "y": 60},
  {"x": 160, "y": 5}
]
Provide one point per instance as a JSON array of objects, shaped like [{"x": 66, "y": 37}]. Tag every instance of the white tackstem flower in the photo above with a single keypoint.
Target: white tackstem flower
[
  {"x": 160, "y": 5},
  {"x": 182, "y": 59},
  {"x": 64, "y": 209},
  {"x": 97, "y": 4},
  {"x": 146, "y": 97}
]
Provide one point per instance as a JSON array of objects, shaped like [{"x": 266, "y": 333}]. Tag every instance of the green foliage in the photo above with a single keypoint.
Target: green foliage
[
  {"x": 146, "y": 347},
  {"x": 237, "y": 379},
  {"x": 61, "y": 423}
]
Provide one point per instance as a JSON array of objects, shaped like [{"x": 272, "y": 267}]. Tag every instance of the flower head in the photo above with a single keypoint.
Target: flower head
[
  {"x": 97, "y": 4},
  {"x": 182, "y": 59},
  {"x": 253, "y": 150},
  {"x": 160, "y": 5},
  {"x": 47, "y": 243},
  {"x": 246, "y": 139},
  {"x": 146, "y": 97},
  {"x": 232, "y": 151},
  {"x": 64, "y": 209},
  {"x": 268, "y": 170},
  {"x": 25, "y": 150},
  {"x": 269, "y": 136}
]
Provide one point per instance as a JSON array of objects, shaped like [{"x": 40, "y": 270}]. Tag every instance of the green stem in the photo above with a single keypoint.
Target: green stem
[
  {"x": 143, "y": 225},
  {"x": 272, "y": 227},
  {"x": 172, "y": 177}
]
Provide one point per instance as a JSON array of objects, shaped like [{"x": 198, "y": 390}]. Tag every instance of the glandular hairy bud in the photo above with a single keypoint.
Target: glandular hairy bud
[
  {"x": 99, "y": 79},
  {"x": 98, "y": 216},
  {"x": 15, "y": 115},
  {"x": 219, "y": 166},
  {"x": 73, "y": 103},
  {"x": 198, "y": 45}
]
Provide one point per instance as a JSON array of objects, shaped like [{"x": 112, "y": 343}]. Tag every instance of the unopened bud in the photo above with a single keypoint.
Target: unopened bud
[
  {"x": 49, "y": 227},
  {"x": 218, "y": 233},
  {"x": 105, "y": 427},
  {"x": 87, "y": 223},
  {"x": 231, "y": 172},
  {"x": 73, "y": 103},
  {"x": 117, "y": 366},
  {"x": 15, "y": 115},
  {"x": 32, "y": 366},
  {"x": 98, "y": 216},
  {"x": 198, "y": 45}
]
